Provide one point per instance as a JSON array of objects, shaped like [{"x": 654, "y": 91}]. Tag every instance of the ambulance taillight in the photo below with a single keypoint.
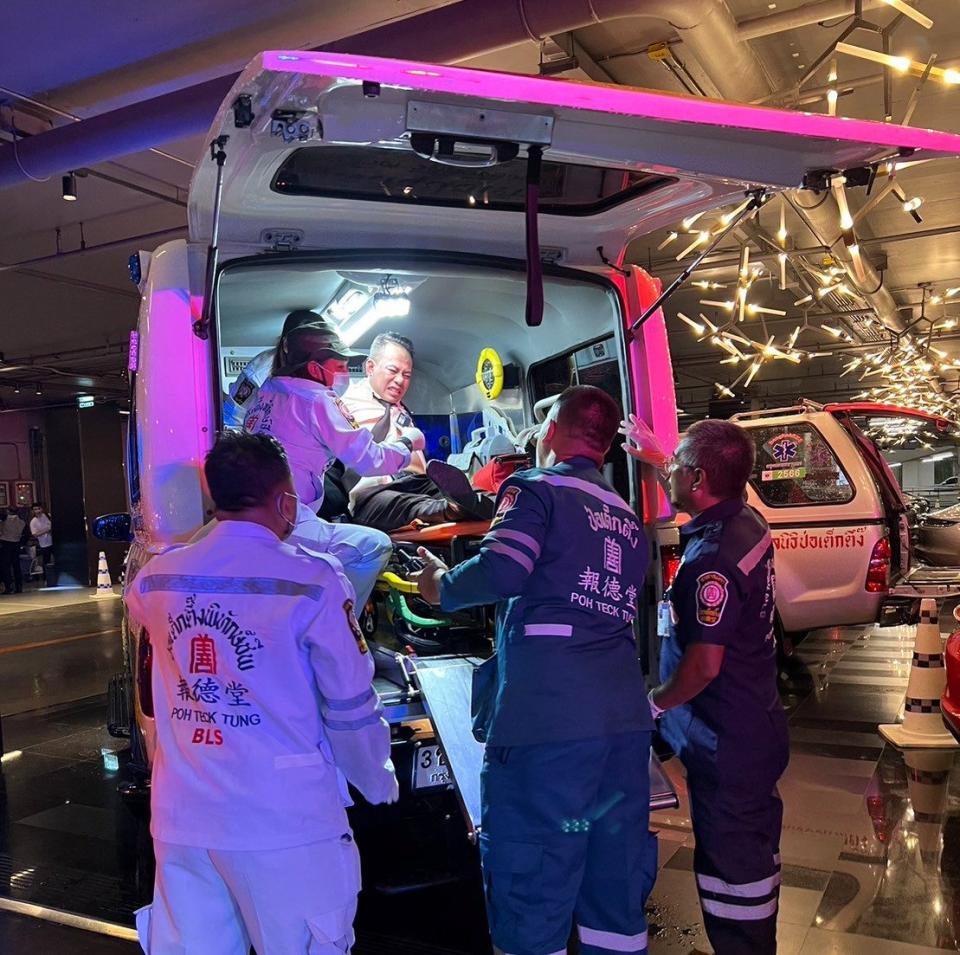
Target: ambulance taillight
[
  {"x": 669, "y": 563},
  {"x": 878, "y": 571}
]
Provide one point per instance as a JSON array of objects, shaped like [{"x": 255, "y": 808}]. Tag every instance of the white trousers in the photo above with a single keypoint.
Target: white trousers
[
  {"x": 363, "y": 551},
  {"x": 299, "y": 901}
]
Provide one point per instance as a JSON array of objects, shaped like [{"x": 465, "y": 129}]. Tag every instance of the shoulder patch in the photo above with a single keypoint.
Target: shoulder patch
[
  {"x": 712, "y": 593},
  {"x": 244, "y": 391},
  {"x": 354, "y": 626},
  {"x": 343, "y": 410},
  {"x": 508, "y": 501}
]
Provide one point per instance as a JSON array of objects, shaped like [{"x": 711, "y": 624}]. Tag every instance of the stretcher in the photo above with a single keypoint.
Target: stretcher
[{"x": 444, "y": 684}]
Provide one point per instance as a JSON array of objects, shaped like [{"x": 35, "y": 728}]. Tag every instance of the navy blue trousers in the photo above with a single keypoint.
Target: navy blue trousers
[
  {"x": 564, "y": 841},
  {"x": 737, "y": 818}
]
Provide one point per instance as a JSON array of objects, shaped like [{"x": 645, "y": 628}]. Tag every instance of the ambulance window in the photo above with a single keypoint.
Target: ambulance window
[
  {"x": 795, "y": 467},
  {"x": 400, "y": 175},
  {"x": 594, "y": 364}
]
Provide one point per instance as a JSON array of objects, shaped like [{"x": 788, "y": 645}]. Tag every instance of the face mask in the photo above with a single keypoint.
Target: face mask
[
  {"x": 290, "y": 524},
  {"x": 340, "y": 383}
]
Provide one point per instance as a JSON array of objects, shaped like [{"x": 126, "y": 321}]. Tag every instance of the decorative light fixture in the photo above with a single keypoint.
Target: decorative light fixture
[
  {"x": 902, "y": 64},
  {"x": 910, "y": 12},
  {"x": 69, "y": 187}
]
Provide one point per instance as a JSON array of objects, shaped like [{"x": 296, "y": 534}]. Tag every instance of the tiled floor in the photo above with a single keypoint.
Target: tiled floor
[
  {"x": 871, "y": 842},
  {"x": 871, "y": 839}
]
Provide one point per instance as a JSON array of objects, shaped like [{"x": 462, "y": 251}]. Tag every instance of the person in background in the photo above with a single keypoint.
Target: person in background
[
  {"x": 41, "y": 528},
  {"x": 264, "y": 710},
  {"x": 717, "y": 702},
  {"x": 431, "y": 493},
  {"x": 565, "y": 782},
  {"x": 301, "y": 407},
  {"x": 259, "y": 369},
  {"x": 11, "y": 534}
]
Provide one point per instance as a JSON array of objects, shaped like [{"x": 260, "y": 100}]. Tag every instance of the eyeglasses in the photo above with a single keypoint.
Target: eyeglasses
[{"x": 674, "y": 464}]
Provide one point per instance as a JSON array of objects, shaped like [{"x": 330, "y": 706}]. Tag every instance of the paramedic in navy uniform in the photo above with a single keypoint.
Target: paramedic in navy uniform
[
  {"x": 718, "y": 697},
  {"x": 565, "y": 784},
  {"x": 264, "y": 710}
]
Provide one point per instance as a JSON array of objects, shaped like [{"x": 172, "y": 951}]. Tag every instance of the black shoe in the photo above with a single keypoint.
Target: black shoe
[{"x": 456, "y": 488}]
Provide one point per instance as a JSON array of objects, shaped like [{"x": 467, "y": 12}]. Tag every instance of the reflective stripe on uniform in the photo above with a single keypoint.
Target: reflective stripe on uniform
[
  {"x": 529, "y": 542},
  {"x": 357, "y": 724},
  {"x": 561, "y": 951},
  {"x": 587, "y": 487},
  {"x": 740, "y": 913},
  {"x": 613, "y": 940},
  {"x": 752, "y": 557},
  {"x": 350, "y": 704},
  {"x": 548, "y": 630},
  {"x": 746, "y": 890},
  {"x": 190, "y": 583},
  {"x": 517, "y": 556}
]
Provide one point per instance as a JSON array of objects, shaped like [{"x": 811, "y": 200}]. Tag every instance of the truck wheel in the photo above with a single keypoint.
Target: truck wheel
[{"x": 791, "y": 673}]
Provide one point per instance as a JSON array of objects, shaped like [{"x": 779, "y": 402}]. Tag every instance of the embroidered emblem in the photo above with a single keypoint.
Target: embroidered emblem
[
  {"x": 354, "y": 626},
  {"x": 712, "y": 589},
  {"x": 507, "y": 500}
]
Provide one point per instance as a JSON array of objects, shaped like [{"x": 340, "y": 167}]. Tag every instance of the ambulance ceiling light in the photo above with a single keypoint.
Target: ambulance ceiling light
[{"x": 347, "y": 304}]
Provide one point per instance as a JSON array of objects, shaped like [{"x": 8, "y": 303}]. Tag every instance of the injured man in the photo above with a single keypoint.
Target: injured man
[{"x": 427, "y": 492}]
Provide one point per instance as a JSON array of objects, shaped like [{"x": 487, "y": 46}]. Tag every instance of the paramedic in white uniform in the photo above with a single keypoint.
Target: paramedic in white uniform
[
  {"x": 264, "y": 710},
  {"x": 244, "y": 390},
  {"x": 300, "y": 405}
]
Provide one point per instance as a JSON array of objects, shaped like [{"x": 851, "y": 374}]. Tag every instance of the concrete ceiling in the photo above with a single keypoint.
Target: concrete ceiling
[{"x": 64, "y": 320}]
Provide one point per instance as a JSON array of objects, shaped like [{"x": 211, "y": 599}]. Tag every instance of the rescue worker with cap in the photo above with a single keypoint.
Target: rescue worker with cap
[
  {"x": 301, "y": 407},
  {"x": 718, "y": 703},
  {"x": 259, "y": 369},
  {"x": 565, "y": 782},
  {"x": 264, "y": 710}
]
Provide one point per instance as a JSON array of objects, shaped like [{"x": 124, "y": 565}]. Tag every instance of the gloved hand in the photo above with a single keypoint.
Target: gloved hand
[
  {"x": 642, "y": 443},
  {"x": 428, "y": 580},
  {"x": 414, "y": 436},
  {"x": 655, "y": 711}
]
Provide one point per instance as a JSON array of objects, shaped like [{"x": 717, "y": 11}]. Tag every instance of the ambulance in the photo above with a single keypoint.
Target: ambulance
[{"x": 485, "y": 216}]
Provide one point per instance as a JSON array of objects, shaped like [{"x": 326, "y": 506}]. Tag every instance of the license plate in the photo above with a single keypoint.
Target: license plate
[{"x": 430, "y": 768}]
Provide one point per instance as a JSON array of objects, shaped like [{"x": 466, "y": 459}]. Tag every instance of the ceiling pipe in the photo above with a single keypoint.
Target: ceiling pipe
[
  {"x": 303, "y": 24},
  {"x": 438, "y": 36},
  {"x": 807, "y": 15}
]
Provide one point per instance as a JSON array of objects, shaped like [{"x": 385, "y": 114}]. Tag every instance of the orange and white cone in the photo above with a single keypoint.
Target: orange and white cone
[
  {"x": 928, "y": 773},
  {"x": 104, "y": 584},
  {"x": 922, "y": 726}
]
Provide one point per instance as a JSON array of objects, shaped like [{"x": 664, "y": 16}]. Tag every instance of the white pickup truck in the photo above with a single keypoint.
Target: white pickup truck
[{"x": 336, "y": 181}]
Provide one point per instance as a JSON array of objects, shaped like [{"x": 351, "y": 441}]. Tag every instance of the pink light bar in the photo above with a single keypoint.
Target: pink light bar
[{"x": 627, "y": 101}]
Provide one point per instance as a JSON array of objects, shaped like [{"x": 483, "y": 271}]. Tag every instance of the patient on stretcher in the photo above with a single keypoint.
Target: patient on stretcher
[{"x": 427, "y": 492}]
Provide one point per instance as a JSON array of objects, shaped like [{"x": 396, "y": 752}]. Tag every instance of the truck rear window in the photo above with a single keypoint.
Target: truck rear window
[
  {"x": 795, "y": 467},
  {"x": 400, "y": 175}
]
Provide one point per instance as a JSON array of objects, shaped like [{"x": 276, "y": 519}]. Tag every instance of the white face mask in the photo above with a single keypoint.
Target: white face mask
[
  {"x": 291, "y": 525},
  {"x": 340, "y": 383}
]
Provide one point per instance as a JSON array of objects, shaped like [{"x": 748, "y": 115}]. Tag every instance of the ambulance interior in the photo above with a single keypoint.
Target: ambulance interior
[{"x": 453, "y": 313}]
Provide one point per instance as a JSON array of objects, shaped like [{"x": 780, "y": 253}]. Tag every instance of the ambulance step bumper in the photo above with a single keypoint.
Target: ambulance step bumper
[{"x": 119, "y": 706}]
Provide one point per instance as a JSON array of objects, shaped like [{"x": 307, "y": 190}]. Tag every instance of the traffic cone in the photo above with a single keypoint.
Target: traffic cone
[
  {"x": 922, "y": 725},
  {"x": 104, "y": 584},
  {"x": 928, "y": 773}
]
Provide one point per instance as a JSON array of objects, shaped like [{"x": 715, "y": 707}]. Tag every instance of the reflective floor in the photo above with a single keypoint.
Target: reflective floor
[{"x": 871, "y": 842}]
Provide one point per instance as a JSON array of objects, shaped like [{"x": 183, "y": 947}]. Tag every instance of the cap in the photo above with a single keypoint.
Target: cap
[
  {"x": 299, "y": 317},
  {"x": 315, "y": 342}
]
